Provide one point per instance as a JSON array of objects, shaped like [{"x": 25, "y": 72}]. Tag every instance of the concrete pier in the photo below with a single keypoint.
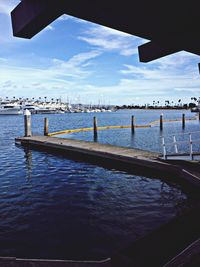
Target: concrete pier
[{"x": 116, "y": 156}]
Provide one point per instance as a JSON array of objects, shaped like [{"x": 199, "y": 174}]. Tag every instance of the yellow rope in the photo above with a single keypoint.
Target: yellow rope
[
  {"x": 171, "y": 120},
  {"x": 98, "y": 128},
  {"x": 114, "y": 127}
]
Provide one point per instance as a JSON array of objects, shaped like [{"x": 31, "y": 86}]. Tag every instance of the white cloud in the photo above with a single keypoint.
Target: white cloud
[
  {"x": 111, "y": 40},
  {"x": 6, "y": 6},
  {"x": 74, "y": 19},
  {"x": 195, "y": 90},
  {"x": 49, "y": 27},
  {"x": 6, "y": 36},
  {"x": 172, "y": 76},
  {"x": 180, "y": 66},
  {"x": 64, "y": 17},
  {"x": 176, "y": 76},
  {"x": 3, "y": 59},
  {"x": 75, "y": 67},
  {"x": 57, "y": 77},
  {"x": 76, "y": 77}
]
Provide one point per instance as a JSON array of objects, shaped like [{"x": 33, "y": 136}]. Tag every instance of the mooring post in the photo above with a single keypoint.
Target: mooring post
[
  {"x": 199, "y": 115},
  {"x": 133, "y": 124},
  {"x": 161, "y": 121},
  {"x": 183, "y": 121},
  {"x": 191, "y": 149},
  {"x": 95, "y": 127},
  {"x": 27, "y": 123},
  {"x": 46, "y": 126}
]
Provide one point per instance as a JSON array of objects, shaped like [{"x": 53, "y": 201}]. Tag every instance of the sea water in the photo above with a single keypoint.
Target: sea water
[{"x": 54, "y": 207}]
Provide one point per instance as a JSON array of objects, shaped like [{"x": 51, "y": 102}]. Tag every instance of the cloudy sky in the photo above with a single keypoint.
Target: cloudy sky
[{"x": 88, "y": 63}]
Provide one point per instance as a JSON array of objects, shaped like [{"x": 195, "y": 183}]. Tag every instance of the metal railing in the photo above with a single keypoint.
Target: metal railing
[{"x": 176, "y": 144}]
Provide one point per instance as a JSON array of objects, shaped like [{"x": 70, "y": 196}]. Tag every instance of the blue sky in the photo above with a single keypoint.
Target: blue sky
[{"x": 88, "y": 63}]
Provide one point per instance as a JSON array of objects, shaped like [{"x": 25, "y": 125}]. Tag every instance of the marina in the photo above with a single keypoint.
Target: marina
[
  {"x": 17, "y": 106},
  {"x": 99, "y": 154},
  {"x": 10, "y": 109},
  {"x": 82, "y": 185}
]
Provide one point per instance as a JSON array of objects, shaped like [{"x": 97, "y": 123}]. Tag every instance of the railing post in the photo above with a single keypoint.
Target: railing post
[
  {"x": 133, "y": 124},
  {"x": 161, "y": 121},
  {"x": 95, "y": 127},
  {"x": 183, "y": 121},
  {"x": 191, "y": 149},
  {"x": 46, "y": 126},
  {"x": 175, "y": 144},
  {"x": 164, "y": 148},
  {"x": 27, "y": 123}
]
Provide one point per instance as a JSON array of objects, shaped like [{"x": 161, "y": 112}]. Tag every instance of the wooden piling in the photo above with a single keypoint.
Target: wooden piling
[
  {"x": 46, "y": 126},
  {"x": 95, "y": 127},
  {"x": 183, "y": 121},
  {"x": 161, "y": 122},
  {"x": 133, "y": 124},
  {"x": 27, "y": 123},
  {"x": 199, "y": 115}
]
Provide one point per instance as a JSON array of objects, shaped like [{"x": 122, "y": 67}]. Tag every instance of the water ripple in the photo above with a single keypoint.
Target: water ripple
[{"x": 52, "y": 207}]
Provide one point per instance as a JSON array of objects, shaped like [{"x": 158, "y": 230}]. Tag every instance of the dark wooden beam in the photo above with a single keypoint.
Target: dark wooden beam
[
  {"x": 31, "y": 16},
  {"x": 151, "y": 51},
  {"x": 168, "y": 29}
]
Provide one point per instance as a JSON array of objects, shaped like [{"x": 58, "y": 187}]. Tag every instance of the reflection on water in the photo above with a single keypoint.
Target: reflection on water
[
  {"x": 95, "y": 138},
  {"x": 53, "y": 207},
  {"x": 28, "y": 161}
]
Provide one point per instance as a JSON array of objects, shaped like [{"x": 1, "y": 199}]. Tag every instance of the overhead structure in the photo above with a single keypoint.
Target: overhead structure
[{"x": 170, "y": 26}]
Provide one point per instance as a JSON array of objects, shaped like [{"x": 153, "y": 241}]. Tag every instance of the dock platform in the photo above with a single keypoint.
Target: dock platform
[
  {"x": 116, "y": 156},
  {"x": 156, "y": 248}
]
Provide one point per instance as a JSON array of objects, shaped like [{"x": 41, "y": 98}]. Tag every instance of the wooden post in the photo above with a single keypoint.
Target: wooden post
[
  {"x": 27, "y": 123},
  {"x": 199, "y": 115},
  {"x": 133, "y": 124},
  {"x": 191, "y": 149},
  {"x": 183, "y": 121},
  {"x": 161, "y": 122},
  {"x": 95, "y": 127},
  {"x": 46, "y": 126}
]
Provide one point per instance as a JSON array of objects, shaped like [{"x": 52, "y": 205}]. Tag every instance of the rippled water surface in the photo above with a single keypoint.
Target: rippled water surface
[{"x": 53, "y": 207}]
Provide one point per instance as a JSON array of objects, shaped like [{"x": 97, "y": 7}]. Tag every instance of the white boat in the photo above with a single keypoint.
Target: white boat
[
  {"x": 30, "y": 107},
  {"x": 10, "y": 109},
  {"x": 197, "y": 108}
]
